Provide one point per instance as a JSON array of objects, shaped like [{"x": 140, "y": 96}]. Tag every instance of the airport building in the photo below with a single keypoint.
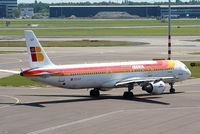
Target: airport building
[
  {"x": 3, "y": 11},
  {"x": 89, "y": 11},
  {"x": 26, "y": 12},
  {"x": 6, "y": 7},
  {"x": 178, "y": 11}
]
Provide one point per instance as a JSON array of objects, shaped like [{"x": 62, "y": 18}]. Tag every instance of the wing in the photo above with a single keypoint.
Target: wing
[
  {"x": 48, "y": 74},
  {"x": 142, "y": 80},
  {"x": 10, "y": 71}
]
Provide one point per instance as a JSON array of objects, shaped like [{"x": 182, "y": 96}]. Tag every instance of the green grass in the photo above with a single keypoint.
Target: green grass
[
  {"x": 17, "y": 81},
  {"x": 194, "y": 70},
  {"x": 84, "y": 43},
  {"x": 155, "y": 31},
  {"x": 10, "y": 52},
  {"x": 197, "y": 40},
  {"x": 92, "y": 22},
  {"x": 195, "y": 53}
]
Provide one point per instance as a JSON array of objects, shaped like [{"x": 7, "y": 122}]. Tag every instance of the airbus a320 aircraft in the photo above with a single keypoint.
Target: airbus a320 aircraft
[{"x": 150, "y": 75}]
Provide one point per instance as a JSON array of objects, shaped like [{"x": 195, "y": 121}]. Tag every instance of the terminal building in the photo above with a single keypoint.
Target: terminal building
[
  {"x": 6, "y": 7},
  {"x": 178, "y": 11}
]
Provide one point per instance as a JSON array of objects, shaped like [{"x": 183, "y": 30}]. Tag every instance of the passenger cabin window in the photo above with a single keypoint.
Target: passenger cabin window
[{"x": 169, "y": 71}]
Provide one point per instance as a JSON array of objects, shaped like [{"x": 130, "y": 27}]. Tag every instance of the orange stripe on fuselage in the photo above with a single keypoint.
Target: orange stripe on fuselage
[
  {"x": 171, "y": 63},
  {"x": 159, "y": 65}
]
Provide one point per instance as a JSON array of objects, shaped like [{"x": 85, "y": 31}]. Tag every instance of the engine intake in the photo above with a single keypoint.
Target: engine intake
[{"x": 154, "y": 88}]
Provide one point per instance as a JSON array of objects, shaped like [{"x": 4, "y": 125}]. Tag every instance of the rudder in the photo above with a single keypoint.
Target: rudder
[{"x": 37, "y": 56}]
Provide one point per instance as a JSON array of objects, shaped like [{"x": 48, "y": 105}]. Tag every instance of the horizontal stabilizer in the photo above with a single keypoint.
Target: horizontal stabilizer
[{"x": 10, "y": 71}]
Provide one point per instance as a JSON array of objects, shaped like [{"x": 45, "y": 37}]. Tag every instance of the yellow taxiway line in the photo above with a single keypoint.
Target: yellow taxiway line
[{"x": 17, "y": 101}]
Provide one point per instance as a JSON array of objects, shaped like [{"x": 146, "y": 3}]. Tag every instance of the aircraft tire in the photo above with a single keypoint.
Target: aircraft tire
[
  {"x": 128, "y": 95},
  {"x": 172, "y": 90},
  {"x": 94, "y": 93}
]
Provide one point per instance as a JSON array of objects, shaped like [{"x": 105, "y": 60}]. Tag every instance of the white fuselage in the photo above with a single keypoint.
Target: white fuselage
[{"x": 108, "y": 80}]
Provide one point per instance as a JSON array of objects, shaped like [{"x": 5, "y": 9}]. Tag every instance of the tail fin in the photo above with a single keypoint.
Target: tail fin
[{"x": 37, "y": 56}]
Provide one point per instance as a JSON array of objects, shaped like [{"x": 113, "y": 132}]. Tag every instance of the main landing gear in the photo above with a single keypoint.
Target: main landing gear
[
  {"x": 95, "y": 92},
  {"x": 128, "y": 94},
  {"x": 172, "y": 89}
]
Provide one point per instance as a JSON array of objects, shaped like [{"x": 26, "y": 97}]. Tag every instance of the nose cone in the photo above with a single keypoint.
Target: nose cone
[
  {"x": 21, "y": 74},
  {"x": 188, "y": 73}
]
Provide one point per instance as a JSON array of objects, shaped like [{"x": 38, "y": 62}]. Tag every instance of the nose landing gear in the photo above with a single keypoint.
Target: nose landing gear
[{"x": 172, "y": 89}]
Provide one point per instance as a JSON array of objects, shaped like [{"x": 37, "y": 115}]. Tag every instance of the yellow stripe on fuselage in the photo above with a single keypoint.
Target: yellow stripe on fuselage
[{"x": 171, "y": 64}]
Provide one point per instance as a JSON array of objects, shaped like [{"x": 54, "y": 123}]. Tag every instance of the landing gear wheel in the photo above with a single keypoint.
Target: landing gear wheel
[
  {"x": 128, "y": 95},
  {"x": 94, "y": 93},
  {"x": 172, "y": 90}
]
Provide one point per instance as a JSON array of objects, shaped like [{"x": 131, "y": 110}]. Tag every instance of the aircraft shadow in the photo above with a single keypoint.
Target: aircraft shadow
[{"x": 144, "y": 98}]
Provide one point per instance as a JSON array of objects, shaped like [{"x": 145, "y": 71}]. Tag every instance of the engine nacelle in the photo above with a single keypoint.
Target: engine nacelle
[{"x": 154, "y": 88}]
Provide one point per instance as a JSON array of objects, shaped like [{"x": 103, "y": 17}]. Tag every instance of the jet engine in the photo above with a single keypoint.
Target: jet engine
[{"x": 154, "y": 87}]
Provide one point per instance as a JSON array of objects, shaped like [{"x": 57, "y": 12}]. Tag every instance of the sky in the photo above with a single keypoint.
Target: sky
[{"x": 58, "y": 1}]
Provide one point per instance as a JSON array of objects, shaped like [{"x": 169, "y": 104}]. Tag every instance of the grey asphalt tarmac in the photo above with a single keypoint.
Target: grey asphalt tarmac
[{"x": 50, "y": 110}]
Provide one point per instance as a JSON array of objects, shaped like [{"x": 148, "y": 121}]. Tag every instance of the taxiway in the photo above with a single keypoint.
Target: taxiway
[{"x": 50, "y": 110}]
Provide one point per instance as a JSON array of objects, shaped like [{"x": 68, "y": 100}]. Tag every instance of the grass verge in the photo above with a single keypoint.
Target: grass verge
[
  {"x": 10, "y": 52},
  {"x": 195, "y": 53},
  {"x": 17, "y": 81},
  {"x": 194, "y": 70},
  {"x": 149, "y": 31},
  {"x": 84, "y": 43},
  {"x": 93, "y": 22}
]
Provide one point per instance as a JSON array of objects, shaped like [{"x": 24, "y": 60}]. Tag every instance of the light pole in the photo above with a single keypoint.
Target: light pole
[{"x": 169, "y": 31}]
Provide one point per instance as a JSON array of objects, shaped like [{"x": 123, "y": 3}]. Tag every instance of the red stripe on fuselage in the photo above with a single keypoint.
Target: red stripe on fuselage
[{"x": 157, "y": 65}]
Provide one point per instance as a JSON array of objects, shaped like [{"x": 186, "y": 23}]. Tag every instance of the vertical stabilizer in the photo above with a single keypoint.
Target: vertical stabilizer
[{"x": 37, "y": 56}]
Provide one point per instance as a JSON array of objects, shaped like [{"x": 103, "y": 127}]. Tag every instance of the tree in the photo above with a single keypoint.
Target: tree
[
  {"x": 16, "y": 12},
  {"x": 178, "y": 1}
]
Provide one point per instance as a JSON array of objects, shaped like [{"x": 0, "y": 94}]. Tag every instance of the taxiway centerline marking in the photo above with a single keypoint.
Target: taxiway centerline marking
[
  {"x": 74, "y": 123},
  {"x": 106, "y": 114}
]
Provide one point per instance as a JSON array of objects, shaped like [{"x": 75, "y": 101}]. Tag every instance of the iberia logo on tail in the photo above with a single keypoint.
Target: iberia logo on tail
[{"x": 36, "y": 54}]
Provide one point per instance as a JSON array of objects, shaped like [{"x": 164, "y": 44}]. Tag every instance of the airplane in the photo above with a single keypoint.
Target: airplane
[{"x": 150, "y": 75}]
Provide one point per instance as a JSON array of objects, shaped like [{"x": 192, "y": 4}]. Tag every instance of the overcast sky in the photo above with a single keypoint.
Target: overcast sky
[{"x": 57, "y": 1}]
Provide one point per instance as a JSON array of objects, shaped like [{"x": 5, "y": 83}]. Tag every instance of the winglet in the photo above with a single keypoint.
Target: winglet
[{"x": 37, "y": 56}]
